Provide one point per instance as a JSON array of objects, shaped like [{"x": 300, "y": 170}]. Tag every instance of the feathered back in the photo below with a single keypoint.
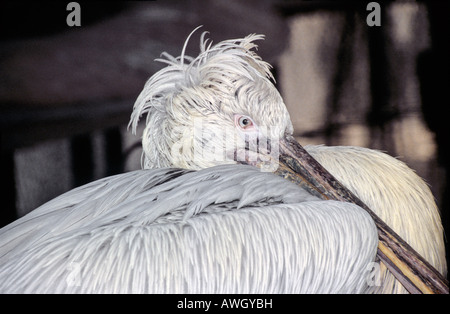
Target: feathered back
[
  {"x": 197, "y": 87},
  {"x": 228, "y": 229}
]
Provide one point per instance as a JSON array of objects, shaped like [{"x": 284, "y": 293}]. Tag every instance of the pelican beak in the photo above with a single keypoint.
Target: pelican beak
[
  {"x": 296, "y": 165},
  {"x": 414, "y": 272},
  {"x": 292, "y": 162}
]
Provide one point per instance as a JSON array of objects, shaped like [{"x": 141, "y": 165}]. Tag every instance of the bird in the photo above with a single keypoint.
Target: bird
[
  {"x": 207, "y": 213},
  {"x": 191, "y": 241}
]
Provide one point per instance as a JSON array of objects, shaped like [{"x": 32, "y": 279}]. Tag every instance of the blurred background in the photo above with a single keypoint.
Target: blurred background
[{"x": 66, "y": 93}]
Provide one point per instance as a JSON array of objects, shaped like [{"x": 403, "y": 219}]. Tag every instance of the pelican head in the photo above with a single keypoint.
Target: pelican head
[{"x": 220, "y": 107}]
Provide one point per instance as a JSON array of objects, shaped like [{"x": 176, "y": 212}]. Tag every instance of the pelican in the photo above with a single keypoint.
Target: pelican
[{"x": 208, "y": 214}]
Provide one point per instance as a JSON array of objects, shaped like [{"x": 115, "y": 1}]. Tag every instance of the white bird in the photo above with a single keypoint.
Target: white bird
[
  {"x": 227, "y": 229},
  {"x": 219, "y": 227}
]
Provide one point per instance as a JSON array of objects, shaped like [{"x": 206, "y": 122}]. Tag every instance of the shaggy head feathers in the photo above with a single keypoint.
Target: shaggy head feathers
[{"x": 224, "y": 79}]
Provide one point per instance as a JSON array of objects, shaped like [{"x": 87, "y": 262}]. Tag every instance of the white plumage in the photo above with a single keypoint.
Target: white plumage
[
  {"x": 212, "y": 231},
  {"x": 226, "y": 228},
  {"x": 396, "y": 194}
]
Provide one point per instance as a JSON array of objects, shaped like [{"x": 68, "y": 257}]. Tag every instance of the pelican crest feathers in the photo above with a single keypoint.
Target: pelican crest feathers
[
  {"x": 216, "y": 65},
  {"x": 224, "y": 79}
]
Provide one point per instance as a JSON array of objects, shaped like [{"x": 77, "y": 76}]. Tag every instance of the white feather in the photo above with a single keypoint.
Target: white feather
[
  {"x": 396, "y": 194},
  {"x": 205, "y": 87},
  {"x": 152, "y": 241}
]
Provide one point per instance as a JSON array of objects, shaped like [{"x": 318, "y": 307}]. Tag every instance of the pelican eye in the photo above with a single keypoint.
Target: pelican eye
[{"x": 244, "y": 122}]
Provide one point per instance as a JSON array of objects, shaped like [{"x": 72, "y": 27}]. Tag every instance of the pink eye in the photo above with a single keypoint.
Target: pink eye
[{"x": 244, "y": 122}]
